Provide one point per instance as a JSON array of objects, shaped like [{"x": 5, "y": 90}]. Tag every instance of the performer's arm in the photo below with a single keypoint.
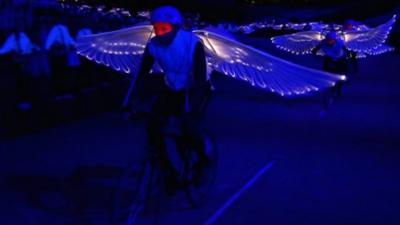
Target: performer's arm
[
  {"x": 200, "y": 65},
  {"x": 137, "y": 82},
  {"x": 200, "y": 90},
  {"x": 317, "y": 48},
  {"x": 145, "y": 67}
]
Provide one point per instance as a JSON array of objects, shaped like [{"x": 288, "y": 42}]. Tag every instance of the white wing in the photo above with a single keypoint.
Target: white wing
[
  {"x": 380, "y": 50},
  {"x": 298, "y": 43},
  {"x": 261, "y": 69},
  {"x": 367, "y": 40},
  {"x": 121, "y": 49}
]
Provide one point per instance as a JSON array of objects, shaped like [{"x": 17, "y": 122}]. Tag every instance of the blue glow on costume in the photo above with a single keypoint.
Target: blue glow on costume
[
  {"x": 59, "y": 34},
  {"x": 334, "y": 50},
  {"x": 18, "y": 43},
  {"x": 83, "y": 32},
  {"x": 166, "y": 14}
]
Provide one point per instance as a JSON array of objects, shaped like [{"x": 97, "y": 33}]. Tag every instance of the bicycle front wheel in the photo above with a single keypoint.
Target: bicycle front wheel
[
  {"x": 137, "y": 201},
  {"x": 200, "y": 168}
]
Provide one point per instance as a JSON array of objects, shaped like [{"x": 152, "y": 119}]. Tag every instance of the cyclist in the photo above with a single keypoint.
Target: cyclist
[
  {"x": 185, "y": 88},
  {"x": 336, "y": 60}
]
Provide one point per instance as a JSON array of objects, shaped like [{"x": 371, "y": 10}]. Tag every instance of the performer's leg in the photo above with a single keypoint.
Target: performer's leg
[
  {"x": 156, "y": 121},
  {"x": 160, "y": 114},
  {"x": 329, "y": 66},
  {"x": 338, "y": 88}
]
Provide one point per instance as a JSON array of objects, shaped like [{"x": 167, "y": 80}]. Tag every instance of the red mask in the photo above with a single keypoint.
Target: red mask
[
  {"x": 161, "y": 28},
  {"x": 331, "y": 41}
]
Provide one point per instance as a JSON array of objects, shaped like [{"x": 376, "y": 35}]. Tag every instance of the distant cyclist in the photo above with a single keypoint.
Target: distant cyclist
[{"x": 336, "y": 60}]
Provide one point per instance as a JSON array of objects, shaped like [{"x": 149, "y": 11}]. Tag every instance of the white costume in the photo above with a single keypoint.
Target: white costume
[{"x": 176, "y": 59}]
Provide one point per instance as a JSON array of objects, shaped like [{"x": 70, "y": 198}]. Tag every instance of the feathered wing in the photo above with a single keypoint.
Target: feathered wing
[
  {"x": 367, "y": 40},
  {"x": 261, "y": 69},
  {"x": 380, "y": 50},
  {"x": 122, "y": 50},
  {"x": 298, "y": 43}
]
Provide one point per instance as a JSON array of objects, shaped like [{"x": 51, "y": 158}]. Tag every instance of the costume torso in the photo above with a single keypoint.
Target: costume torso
[
  {"x": 335, "y": 51},
  {"x": 176, "y": 59}
]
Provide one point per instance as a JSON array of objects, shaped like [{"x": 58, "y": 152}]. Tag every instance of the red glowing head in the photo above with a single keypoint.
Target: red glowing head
[
  {"x": 331, "y": 41},
  {"x": 331, "y": 38},
  {"x": 162, "y": 28}
]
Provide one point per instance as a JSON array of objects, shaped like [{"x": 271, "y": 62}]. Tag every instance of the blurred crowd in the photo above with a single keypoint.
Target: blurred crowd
[{"x": 43, "y": 81}]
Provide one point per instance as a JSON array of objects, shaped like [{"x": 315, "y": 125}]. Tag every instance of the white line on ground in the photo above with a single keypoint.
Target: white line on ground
[{"x": 231, "y": 200}]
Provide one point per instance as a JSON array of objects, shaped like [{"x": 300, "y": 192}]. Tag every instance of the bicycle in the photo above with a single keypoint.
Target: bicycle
[{"x": 141, "y": 195}]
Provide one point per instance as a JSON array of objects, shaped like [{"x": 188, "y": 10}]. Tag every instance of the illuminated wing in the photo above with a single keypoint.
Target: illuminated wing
[
  {"x": 122, "y": 50},
  {"x": 261, "y": 69},
  {"x": 298, "y": 43},
  {"x": 367, "y": 40},
  {"x": 380, "y": 50},
  {"x": 361, "y": 27}
]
